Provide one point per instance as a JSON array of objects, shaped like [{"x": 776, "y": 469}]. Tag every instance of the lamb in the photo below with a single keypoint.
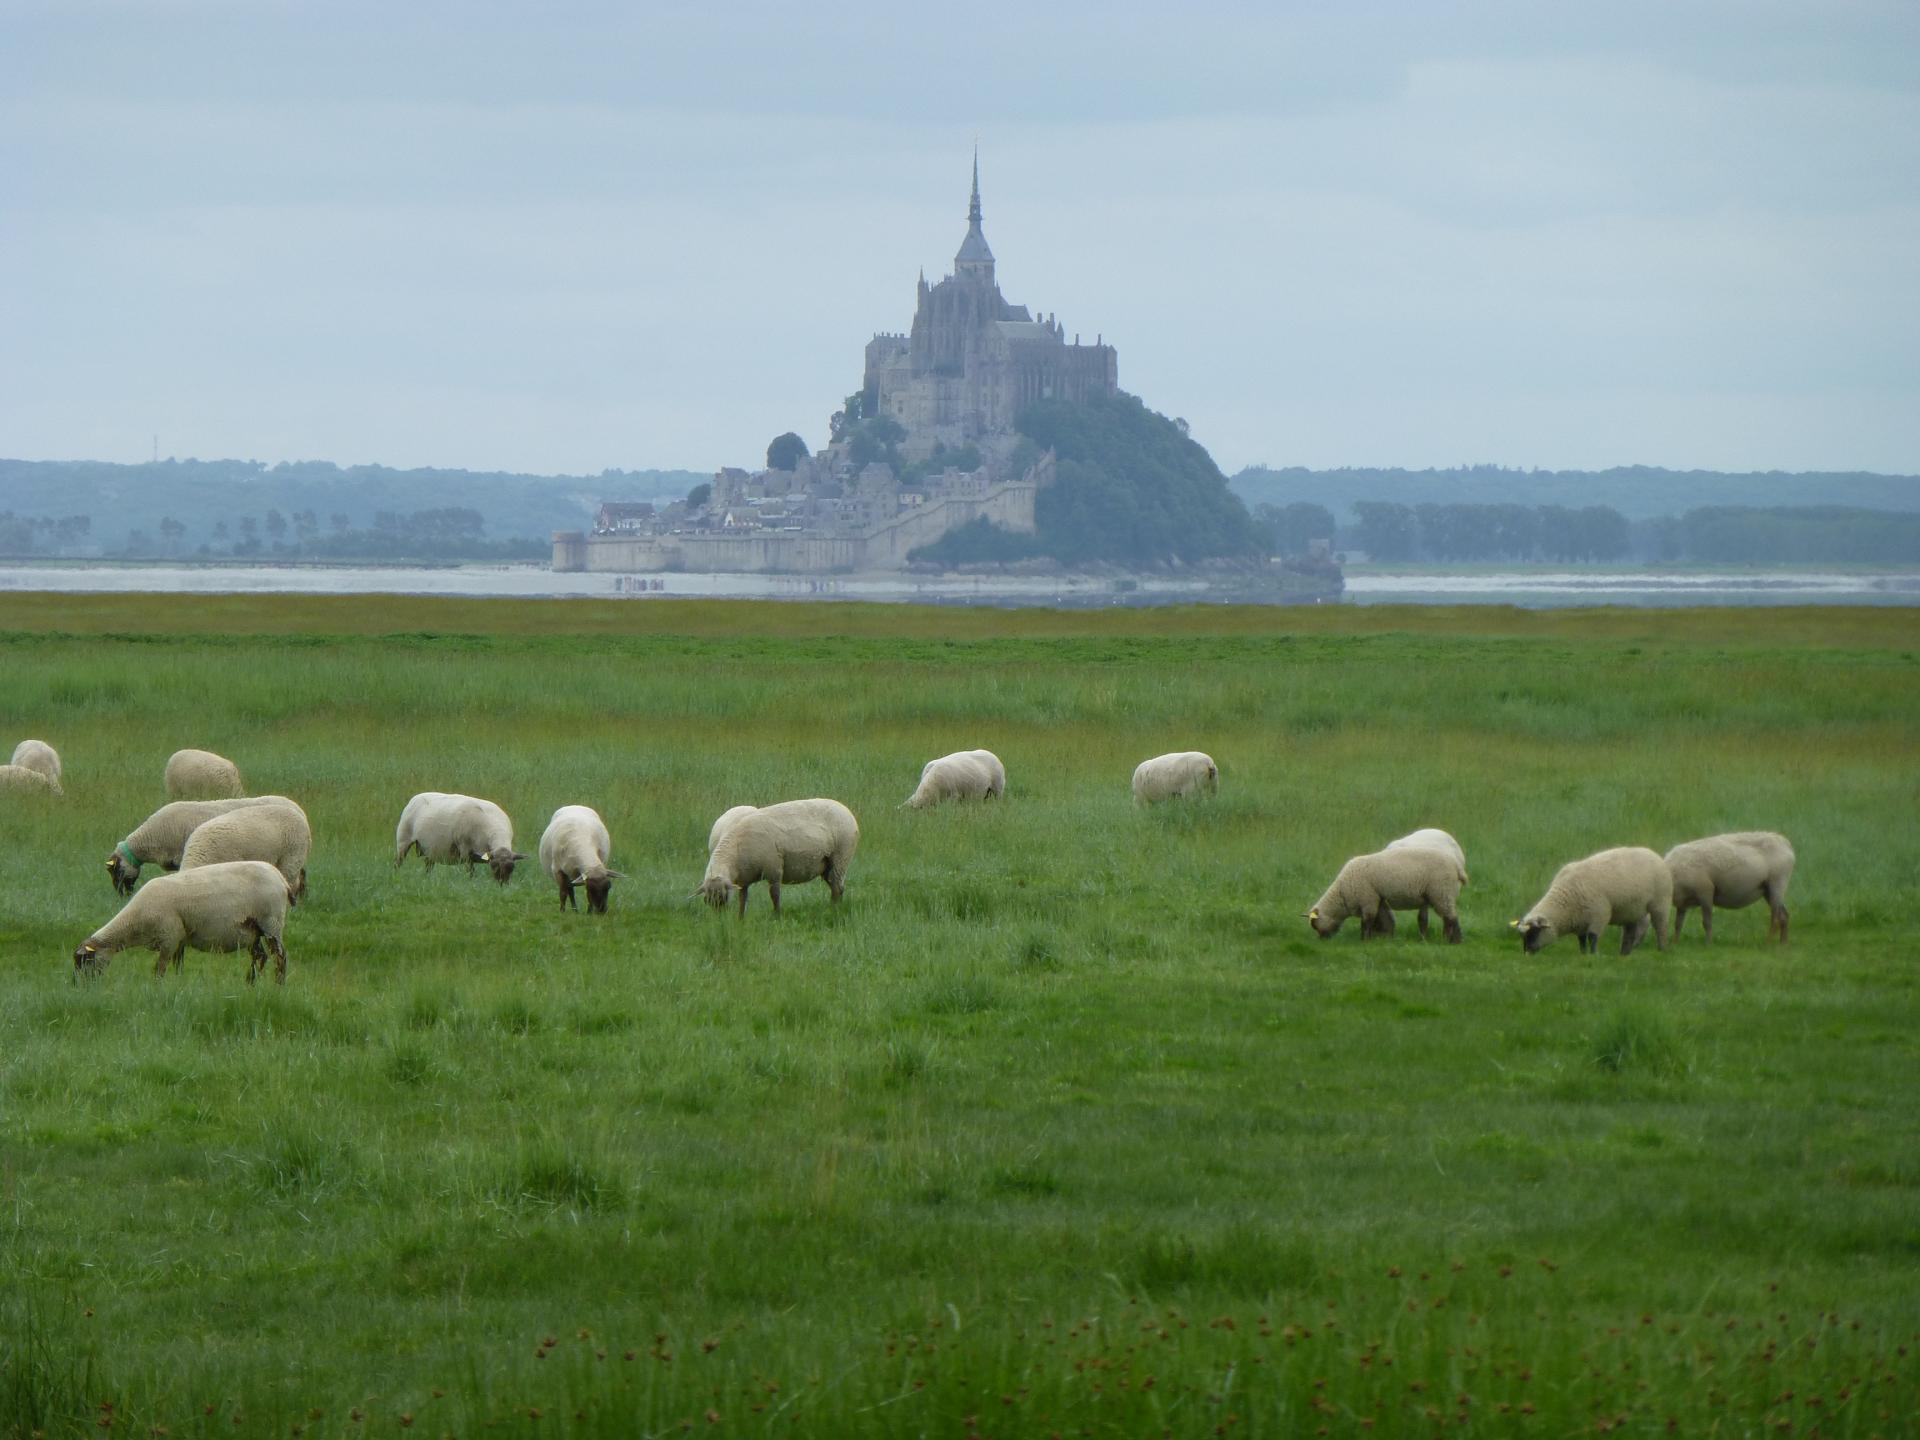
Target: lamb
[
  {"x": 202, "y": 775},
  {"x": 963, "y": 775},
  {"x": 791, "y": 844},
  {"x": 720, "y": 826},
  {"x": 277, "y": 834},
  {"x": 1371, "y": 885},
  {"x": 242, "y": 903},
  {"x": 1181, "y": 773},
  {"x": 1732, "y": 871},
  {"x": 21, "y": 777},
  {"x": 1630, "y": 887},
  {"x": 161, "y": 839},
  {"x": 456, "y": 829},
  {"x": 574, "y": 851},
  {"x": 40, "y": 756},
  {"x": 1431, "y": 840}
]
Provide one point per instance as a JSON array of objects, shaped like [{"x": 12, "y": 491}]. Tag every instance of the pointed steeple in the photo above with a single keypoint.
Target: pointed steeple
[{"x": 974, "y": 259}]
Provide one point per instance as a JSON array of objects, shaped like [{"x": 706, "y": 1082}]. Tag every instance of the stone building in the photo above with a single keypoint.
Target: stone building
[
  {"x": 954, "y": 385},
  {"x": 972, "y": 361}
]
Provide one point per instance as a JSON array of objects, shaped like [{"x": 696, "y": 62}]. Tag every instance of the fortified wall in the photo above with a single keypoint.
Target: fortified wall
[{"x": 882, "y": 547}]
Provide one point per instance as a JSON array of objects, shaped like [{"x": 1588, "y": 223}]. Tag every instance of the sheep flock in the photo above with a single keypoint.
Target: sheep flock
[{"x": 235, "y": 866}]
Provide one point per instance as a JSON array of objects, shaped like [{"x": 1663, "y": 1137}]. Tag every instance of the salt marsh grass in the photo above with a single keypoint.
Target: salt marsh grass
[{"x": 1064, "y": 1121}]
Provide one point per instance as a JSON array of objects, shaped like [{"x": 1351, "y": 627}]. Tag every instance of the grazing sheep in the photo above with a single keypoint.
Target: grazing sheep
[
  {"x": 456, "y": 829},
  {"x": 789, "y": 844},
  {"x": 1430, "y": 840},
  {"x": 574, "y": 851},
  {"x": 242, "y": 903},
  {"x": 1181, "y": 773},
  {"x": 1732, "y": 871},
  {"x": 963, "y": 775},
  {"x": 1371, "y": 885},
  {"x": 1630, "y": 887},
  {"x": 38, "y": 755},
  {"x": 20, "y": 777},
  {"x": 161, "y": 839},
  {"x": 720, "y": 825},
  {"x": 202, "y": 775},
  {"x": 277, "y": 834}
]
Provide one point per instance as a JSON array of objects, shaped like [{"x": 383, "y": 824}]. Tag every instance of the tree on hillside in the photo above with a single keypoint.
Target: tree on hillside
[
  {"x": 699, "y": 495},
  {"x": 786, "y": 451}
]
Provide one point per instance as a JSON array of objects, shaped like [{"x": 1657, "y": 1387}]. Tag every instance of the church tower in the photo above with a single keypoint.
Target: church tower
[{"x": 974, "y": 262}]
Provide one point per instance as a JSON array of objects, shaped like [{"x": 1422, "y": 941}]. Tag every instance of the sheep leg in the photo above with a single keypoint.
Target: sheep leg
[
  {"x": 1630, "y": 935},
  {"x": 836, "y": 881},
  {"x": 1658, "y": 919},
  {"x": 279, "y": 959},
  {"x": 1449, "y": 923},
  {"x": 1776, "y": 912},
  {"x": 1679, "y": 917},
  {"x": 773, "y": 893},
  {"x": 1706, "y": 919},
  {"x": 566, "y": 892},
  {"x": 1423, "y": 919},
  {"x": 743, "y": 902}
]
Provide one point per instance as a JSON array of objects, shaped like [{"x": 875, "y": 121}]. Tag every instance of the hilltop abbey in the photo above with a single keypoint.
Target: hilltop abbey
[{"x": 925, "y": 445}]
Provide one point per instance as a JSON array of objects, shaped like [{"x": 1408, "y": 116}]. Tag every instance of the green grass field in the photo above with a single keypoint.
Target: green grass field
[{"x": 1063, "y": 1123}]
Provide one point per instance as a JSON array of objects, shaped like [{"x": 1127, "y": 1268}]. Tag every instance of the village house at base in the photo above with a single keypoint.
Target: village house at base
[{"x": 952, "y": 387}]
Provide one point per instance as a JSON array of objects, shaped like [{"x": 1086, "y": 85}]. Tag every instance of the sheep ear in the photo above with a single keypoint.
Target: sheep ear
[
  {"x": 1514, "y": 923},
  {"x": 1314, "y": 914},
  {"x": 616, "y": 875},
  {"x": 486, "y": 856}
]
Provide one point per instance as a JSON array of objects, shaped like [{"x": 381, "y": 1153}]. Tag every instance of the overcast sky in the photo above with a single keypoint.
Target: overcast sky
[{"x": 565, "y": 237}]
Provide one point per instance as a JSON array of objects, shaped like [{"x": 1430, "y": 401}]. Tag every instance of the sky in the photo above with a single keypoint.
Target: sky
[{"x": 561, "y": 238}]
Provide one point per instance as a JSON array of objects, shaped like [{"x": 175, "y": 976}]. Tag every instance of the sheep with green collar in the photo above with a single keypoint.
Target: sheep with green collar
[{"x": 161, "y": 839}]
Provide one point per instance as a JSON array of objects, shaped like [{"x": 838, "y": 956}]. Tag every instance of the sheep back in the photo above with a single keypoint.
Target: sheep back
[
  {"x": 23, "y": 777},
  {"x": 963, "y": 775},
  {"x": 1729, "y": 871},
  {"x": 1434, "y": 840},
  {"x": 275, "y": 833},
  {"x": 1182, "y": 772},
  {"x": 38, "y": 755},
  {"x": 721, "y": 825},
  {"x": 787, "y": 844},
  {"x": 202, "y": 775}
]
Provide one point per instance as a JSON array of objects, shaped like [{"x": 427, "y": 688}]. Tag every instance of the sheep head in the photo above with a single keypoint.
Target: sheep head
[
  {"x": 716, "y": 890},
  {"x": 501, "y": 862},
  {"x": 1536, "y": 934},
  {"x": 89, "y": 959},
  {"x": 1326, "y": 919},
  {"x": 122, "y": 869},
  {"x": 597, "y": 884}
]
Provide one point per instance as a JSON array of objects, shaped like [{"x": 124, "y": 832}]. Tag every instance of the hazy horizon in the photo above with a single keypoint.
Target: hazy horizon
[{"x": 588, "y": 238}]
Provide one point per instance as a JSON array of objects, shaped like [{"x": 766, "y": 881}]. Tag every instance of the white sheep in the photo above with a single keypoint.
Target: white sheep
[
  {"x": 21, "y": 777},
  {"x": 786, "y": 844},
  {"x": 1432, "y": 840},
  {"x": 1371, "y": 885},
  {"x": 720, "y": 826},
  {"x": 277, "y": 833},
  {"x": 1181, "y": 773},
  {"x": 240, "y": 904},
  {"x": 1630, "y": 887},
  {"x": 1732, "y": 871},
  {"x": 38, "y": 755},
  {"x": 202, "y": 775},
  {"x": 456, "y": 829},
  {"x": 574, "y": 851},
  {"x": 963, "y": 775},
  {"x": 161, "y": 839}
]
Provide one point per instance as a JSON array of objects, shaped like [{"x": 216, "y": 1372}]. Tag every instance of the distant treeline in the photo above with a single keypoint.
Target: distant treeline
[
  {"x": 1392, "y": 533},
  {"x": 1639, "y": 492},
  {"x": 192, "y": 508}
]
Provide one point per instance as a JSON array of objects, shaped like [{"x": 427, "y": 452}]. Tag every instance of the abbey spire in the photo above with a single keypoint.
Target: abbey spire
[{"x": 974, "y": 260}]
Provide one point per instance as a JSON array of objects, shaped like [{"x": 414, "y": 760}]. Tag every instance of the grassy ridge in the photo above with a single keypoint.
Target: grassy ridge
[{"x": 1061, "y": 1091}]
